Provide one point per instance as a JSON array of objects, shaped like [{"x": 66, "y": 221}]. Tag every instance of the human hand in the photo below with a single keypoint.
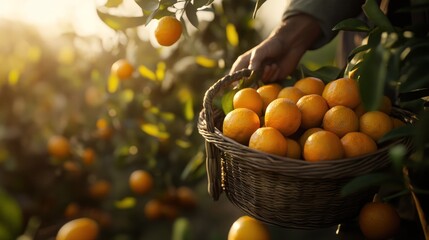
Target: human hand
[{"x": 279, "y": 54}]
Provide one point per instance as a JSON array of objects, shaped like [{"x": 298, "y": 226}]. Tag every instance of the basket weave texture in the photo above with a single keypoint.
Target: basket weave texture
[{"x": 286, "y": 192}]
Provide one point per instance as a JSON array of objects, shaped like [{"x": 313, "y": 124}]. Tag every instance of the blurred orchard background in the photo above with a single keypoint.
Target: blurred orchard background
[{"x": 56, "y": 81}]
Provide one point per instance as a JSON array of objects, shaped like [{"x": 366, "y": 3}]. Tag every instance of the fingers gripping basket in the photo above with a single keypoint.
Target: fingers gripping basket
[{"x": 282, "y": 191}]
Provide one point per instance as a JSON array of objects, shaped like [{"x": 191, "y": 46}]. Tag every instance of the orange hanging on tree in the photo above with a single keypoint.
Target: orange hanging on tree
[{"x": 168, "y": 31}]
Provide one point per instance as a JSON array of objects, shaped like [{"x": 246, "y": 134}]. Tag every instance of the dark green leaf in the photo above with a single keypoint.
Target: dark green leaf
[
  {"x": 201, "y": 3},
  {"x": 366, "y": 181},
  {"x": 10, "y": 213},
  {"x": 325, "y": 73},
  {"x": 372, "y": 77},
  {"x": 372, "y": 10},
  {"x": 257, "y": 6},
  {"x": 113, "y": 3},
  {"x": 148, "y": 5},
  {"x": 421, "y": 7},
  {"x": 395, "y": 195},
  {"x": 357, "y": 50},
  {"x": 420, "y": 191},
  {"x": 397, "y": 156},
  {"x": 403, "y": 131},
  {"x": 191, "y": 13},
  {"x": 421, "y": 133},
  {"x": 417, "y": 77},
  {"x": 5, "y": 234},
  {"x": 352, "y": 24},
  {"x": 120, "y": 23},
  {"x": 414, "y": 94},
  {"x": 227, "y": 101}
]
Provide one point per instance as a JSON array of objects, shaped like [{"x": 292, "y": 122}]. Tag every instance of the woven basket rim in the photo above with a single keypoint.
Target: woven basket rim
[{"x": 344, "y": 167}]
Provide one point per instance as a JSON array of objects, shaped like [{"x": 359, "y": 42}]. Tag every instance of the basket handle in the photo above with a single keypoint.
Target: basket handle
[{"x": 213, "y": 165}]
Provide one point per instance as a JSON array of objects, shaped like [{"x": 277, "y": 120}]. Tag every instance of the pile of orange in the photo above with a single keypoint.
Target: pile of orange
[{"x": 309, "y": 120}]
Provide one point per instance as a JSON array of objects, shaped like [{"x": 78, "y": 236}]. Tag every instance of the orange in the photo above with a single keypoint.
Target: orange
[
  {"x": 71, "y": 210},
  {"x": 104, "y": 131},
  {"x": 186, "y": 197},
  {"x": 269, "y": 140},
  {"x": 283, "y": 115},
  {"x": 269, "y": 92},
  {"x": 313, "y": 107},
  {"x": 357, "y": 143},
  {"x": 99, "y": 189},
  {"x": 341, "y": 120},
  {"x": 342, "y": 91},
  {"x": 293, "y": 149},
  {"x": 153, "y": 209},
  {"x": 291, "y": 93},
  {"x": 248, "y": 98},
  {"x": 168, "y": 30},
  {"x": 397, "y": 122},
  {"x": 169, "y": 211},
  {"x": 88, "y": 156},
  {"x": 58, "y": 146},
  {"x": 379, "y": 220},
  {"x": 140, "y": 181},
  {"x": 375, "y": 124},
  {"x": 360, "y": 110},
  {"x": 307, "y": 134},
  {"x": 310, "y": 85},
  {"x": 323, "y": 145},
  {"x": 81, "y": 228},
  {"x": 385, "y": 106},
  {"x": 240, "y": 124},
  {"x": 122, "y": 68},
  {"x": 248, "y": 228}
]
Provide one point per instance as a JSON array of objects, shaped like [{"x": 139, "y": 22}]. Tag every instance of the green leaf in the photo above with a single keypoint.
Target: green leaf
[
  {"x": 397, "y": 155},
  {"x": 325, "y": 73},
  {"x": 10, "y": 213},
  {"x": 358, "y": 50},
  {"x": 191, "y": 13},
  {"x": 257, "y": 6},
  {"x": 193, "y": 166},
  {"x": 365, "y": 181},
  {"x": 372, "y": 76},
  {"x": 421, "y": 133},
  {"x": 352, "y": 24},
  {"x": 416, "y": 77},
  {"x": 403, "y": 131},
  {"x": 120, "y": 23},
  {"x": 201, "y": 3},
  {"x": 181, "y": 229},
  {"x": 372, "y": 10},
  {"x": 227, "y": 98},
  {"x": 148, "y": 5},
  {"x": 5, "y": 234},
  {"x": 113, "y": 3},
  {"x": 420, "y": 7}
]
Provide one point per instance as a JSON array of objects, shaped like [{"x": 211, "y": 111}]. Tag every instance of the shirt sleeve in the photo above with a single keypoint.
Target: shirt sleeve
[{"x": 327, "y": 12}]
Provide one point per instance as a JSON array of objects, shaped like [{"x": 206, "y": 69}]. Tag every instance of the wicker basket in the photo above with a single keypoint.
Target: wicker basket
[{"x": 286, "y": 192}]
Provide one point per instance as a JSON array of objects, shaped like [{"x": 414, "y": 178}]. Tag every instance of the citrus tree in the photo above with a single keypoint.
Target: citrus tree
[{"x": 110, "y": 134}]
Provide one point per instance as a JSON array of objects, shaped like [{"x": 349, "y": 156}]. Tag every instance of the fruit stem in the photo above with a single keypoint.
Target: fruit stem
[{"x": 416, "y": 202}]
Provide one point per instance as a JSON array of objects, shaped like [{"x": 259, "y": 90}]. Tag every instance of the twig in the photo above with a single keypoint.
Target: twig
[{"x": 416, "y": 203}]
